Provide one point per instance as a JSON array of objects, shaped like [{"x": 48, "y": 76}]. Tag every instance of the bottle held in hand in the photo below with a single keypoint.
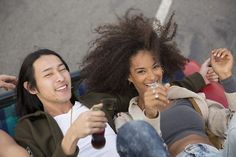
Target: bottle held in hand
[{"x": 98, "y": 140}]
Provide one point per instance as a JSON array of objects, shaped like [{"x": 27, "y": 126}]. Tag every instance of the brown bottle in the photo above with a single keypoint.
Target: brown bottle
[{"x": 98, "y": 140}]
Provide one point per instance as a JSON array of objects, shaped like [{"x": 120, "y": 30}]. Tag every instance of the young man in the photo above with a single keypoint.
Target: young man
[{"x": 52, "y": 123}]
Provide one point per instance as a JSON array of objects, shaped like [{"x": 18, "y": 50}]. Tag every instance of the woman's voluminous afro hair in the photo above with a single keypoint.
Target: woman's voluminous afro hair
[{"x": 106, "y": 66}]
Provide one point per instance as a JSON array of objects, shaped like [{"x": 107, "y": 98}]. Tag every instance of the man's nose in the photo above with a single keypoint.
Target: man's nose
[{"x": 60, "y": 77}]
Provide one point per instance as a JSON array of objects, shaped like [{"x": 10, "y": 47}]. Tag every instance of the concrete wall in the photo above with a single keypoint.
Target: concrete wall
[
  {"x": 65, "y": 26},
  {"x": 61, "y": 25}
]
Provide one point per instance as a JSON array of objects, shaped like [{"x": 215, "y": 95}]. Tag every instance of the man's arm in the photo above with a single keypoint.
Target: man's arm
[{"x": 193, "y": 82}]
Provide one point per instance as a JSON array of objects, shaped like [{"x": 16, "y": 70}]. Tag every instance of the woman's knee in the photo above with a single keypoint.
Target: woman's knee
[
  {"x": 139, "y": 127},
  {"x": 135, "y": 136},
  {"x": 138, "y": 133}
]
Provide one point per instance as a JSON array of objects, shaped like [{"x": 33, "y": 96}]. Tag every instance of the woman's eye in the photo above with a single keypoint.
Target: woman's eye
[{"x": 141, "y": 72}]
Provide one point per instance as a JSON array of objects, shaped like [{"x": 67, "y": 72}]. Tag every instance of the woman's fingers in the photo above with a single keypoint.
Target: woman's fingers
[{"x": 156, "y": 98}]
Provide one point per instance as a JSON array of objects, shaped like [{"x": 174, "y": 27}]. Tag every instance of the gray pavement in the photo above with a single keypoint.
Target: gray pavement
[{"x": 66, "y": 26}]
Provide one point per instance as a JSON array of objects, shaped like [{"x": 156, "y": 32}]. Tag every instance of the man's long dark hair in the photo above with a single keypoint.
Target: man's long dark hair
[{"x": 26, "y": 102}]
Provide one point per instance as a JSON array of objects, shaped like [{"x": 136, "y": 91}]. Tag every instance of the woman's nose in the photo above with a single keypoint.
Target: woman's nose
[{"x": 151, "y": 76}]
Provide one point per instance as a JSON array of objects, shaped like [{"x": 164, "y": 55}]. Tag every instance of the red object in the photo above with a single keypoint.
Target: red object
[
  {"x": 213, "y": 91},
  {"x": 98, "y": 140}
]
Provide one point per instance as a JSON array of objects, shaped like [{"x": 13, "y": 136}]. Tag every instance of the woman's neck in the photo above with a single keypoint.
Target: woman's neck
[{"x": 141, "y": 103}]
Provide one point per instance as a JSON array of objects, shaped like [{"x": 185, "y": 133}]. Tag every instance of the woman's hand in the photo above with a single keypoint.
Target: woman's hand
[
  {"x": 222, "y": 62},
  {"x": 155, "y": 100}
]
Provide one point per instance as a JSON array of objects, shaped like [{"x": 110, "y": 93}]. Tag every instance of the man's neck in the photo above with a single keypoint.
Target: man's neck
[{"x": 57, "y": 109}]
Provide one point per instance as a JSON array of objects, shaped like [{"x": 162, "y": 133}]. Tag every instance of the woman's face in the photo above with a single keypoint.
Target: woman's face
[{"x": 144, "y": 69}]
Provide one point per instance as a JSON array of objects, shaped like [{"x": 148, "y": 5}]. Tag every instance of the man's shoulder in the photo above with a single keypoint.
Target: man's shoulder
[{"x": 37, "y": 119}]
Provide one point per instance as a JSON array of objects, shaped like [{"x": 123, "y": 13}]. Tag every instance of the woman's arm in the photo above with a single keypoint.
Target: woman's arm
[{"x": 9, "y": 148}]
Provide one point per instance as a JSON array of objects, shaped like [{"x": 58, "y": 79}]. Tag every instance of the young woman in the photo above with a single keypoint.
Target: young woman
[
  {"x": 111, "y": 51},
  {"x": 171, "y": 112},
  {"x": 129, "y": 56}
]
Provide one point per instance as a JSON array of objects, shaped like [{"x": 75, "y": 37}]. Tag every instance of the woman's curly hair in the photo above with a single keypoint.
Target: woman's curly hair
[{"x": 107, "y": 64}]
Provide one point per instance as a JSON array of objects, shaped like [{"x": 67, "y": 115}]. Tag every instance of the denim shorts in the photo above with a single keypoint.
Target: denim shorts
[{"x": 200, "y": 150}]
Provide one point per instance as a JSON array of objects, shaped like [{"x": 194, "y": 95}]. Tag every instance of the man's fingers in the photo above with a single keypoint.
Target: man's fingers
[{"x": 97, "y": 107}]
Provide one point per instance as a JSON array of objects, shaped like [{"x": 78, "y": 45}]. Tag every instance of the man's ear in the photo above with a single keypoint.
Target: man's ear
[{"x": 29, "y": 88}]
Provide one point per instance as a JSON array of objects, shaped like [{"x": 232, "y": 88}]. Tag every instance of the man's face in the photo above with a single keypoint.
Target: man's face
[{"x": 53, "y": 81}]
